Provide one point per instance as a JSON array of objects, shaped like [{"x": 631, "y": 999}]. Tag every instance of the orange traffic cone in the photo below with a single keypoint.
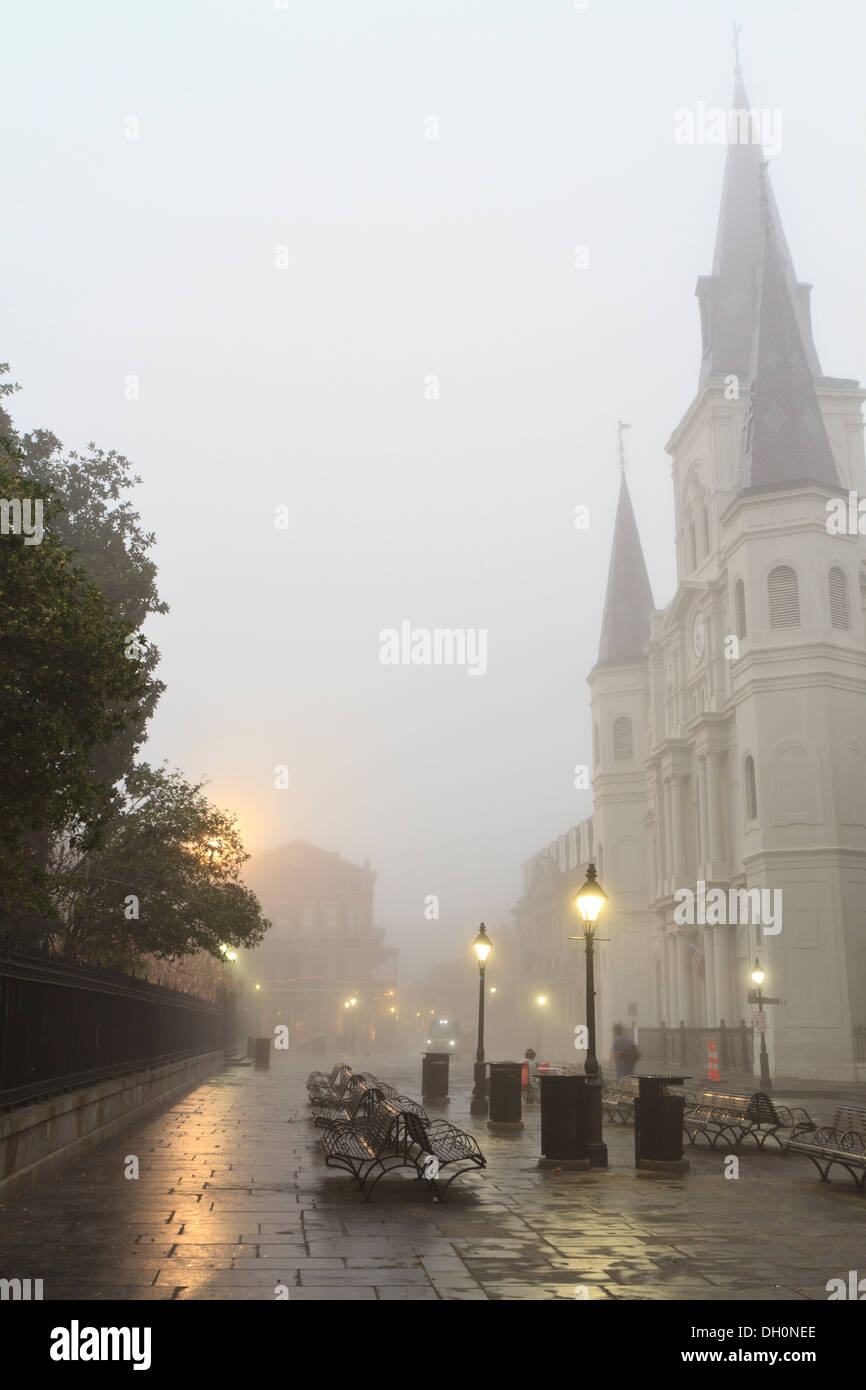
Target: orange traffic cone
[{"x": 712, "y": 1062}]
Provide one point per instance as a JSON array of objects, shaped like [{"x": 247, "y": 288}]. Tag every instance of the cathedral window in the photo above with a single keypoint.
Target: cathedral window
[
  {"x": 751, "y": 789},
  {"x": 839, "y": 613},
  {"x": 595, "y": 748},
  {"x": 623, "y": 747},
  {"x": 784, "y": 597},
  {"x": 740, "y": 608},
  {"x": 706, "y": 530},
  {"x": 693, "y": 544}
]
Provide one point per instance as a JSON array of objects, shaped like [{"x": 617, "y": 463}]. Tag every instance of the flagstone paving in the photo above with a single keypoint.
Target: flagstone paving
[{"x": 233, "y": 1200}]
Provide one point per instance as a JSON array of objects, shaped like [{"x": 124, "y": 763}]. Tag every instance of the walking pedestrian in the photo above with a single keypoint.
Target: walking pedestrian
[{"x": 623, "y": 1053}]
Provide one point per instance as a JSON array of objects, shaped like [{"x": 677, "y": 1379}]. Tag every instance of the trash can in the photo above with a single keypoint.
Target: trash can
[
  {"x": 564, "y": 1122},
  {"x": 505, "y": 1094},
  {"x": 263, "y": 1054},
  {"x": 658, "y": 1124},
  {"x": 251, "y": 1047},
  {"x": 434, "y": 1075}
]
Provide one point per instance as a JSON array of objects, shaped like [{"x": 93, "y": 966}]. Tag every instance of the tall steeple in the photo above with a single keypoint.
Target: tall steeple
[
  {"x": 626, "y": 622},
  {"x": 728, "y": 297},
  {"x": 784, "y": 436}
]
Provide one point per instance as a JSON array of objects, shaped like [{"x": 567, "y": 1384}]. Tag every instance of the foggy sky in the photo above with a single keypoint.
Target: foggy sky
[{"x": 305, "y": 387}]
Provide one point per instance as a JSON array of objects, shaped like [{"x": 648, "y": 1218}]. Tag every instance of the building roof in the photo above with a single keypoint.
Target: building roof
[
  {"x": 729, "y": 297},
  {"x": 625, "y": 625},
  {"x": 784, "y": 436}
]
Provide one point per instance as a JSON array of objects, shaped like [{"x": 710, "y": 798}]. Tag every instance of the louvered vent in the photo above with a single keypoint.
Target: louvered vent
[
  {"x": 839, "y": 614},
  {"x": 740, "y": 608},
  {"x": 622, "y": 742},
  {"x": 784, "y": 598},
  {"x": 751, "y": 790}
]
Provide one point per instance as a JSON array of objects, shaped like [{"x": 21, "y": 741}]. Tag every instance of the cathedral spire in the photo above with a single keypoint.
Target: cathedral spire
[
  {"x": 626, "y": 622},
  {"x": 728, "y": 297},
  {"x": 784, "y": 436}
]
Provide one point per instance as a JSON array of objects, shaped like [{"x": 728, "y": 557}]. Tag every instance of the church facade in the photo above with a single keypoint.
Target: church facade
[{"x": 729, "y": 727}]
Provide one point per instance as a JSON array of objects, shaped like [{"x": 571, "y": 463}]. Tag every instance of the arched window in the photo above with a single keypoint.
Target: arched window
[
  {"x": 839, "y": 613},
  {"x": 740, "y": 608},
  {"x": 595, "y": 748},
  {"x": 751, "y": 789},
  {"x": 706, "y": 530},
  {"x": 784, "y": 597},
  {"x": 622, "y": 739},
  {"x": 693, "y": 544}
]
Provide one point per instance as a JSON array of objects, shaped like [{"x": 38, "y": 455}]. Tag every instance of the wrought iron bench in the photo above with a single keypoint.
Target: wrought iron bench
[
  {"x": 392, "y": 1138},
  {"x": 335, "y": 1090},
  {"x": 318, "y": 1078},
  {"x": 368, "y": 1148},
  {"x": 359, "y": 1101},
  {"x": 722, "y": 1117},
  {"x": 618, "y": 1098},
  {"x": 356, "y": 1097},
  {"x": 445, "y": 1143},
  {"x": 843, "y": 1143}
]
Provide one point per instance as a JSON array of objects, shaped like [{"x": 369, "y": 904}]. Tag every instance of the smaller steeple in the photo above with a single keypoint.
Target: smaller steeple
[
  {"x": 784, "y": 435},
  {"x": 625, "y": 625}
]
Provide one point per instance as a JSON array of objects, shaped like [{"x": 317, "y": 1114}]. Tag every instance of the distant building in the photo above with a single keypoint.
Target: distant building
[
  {"x": 322, "y": 950},
  {"x": 548, "y": 964}
]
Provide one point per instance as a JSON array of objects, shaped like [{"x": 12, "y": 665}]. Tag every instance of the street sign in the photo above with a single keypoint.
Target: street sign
[
  {"x": 759, "y": 1022},
  {"x": 765, "y": 998}
]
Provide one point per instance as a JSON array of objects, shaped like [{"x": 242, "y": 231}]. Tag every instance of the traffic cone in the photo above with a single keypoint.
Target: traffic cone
[{"x": 712, "y": 1062}]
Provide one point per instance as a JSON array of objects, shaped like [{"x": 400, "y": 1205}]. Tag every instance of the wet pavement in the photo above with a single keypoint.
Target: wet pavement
[{"x": 233, "y": 1201}]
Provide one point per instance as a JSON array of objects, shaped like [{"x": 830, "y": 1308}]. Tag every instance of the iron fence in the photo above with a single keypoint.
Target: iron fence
[
  {"x": 65, "y": 1024},
  {"x": 690, "y": 1046}
]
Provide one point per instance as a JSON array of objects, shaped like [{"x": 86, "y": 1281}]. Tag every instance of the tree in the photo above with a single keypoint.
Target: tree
[
  {"x": 164, "y": 878},
  {"x": 95, "y": 520},
  {"x": 66, "y": 687}
]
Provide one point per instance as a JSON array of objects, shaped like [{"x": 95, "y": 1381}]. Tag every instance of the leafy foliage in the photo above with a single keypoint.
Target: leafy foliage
[
  {"x": 180, "y": 857},
  {"x": 65, "y": 688}
]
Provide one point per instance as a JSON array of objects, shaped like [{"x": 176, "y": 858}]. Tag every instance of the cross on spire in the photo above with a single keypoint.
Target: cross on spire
[
  {"x": 621, "y": 455},
  {"x": 738, "y": 29}
]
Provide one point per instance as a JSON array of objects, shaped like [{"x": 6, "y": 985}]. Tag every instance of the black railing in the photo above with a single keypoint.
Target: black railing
[
  {"x": 65, "y": 1024},
  {"x": 690, "y": 1046}
]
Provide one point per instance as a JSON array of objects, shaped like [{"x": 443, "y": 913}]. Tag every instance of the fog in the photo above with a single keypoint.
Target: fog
[{"x": 322, "y": 258}]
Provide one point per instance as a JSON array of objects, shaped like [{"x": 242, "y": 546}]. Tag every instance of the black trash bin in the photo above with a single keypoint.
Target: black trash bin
[
  {"x": 263, "y": 1053},
  {"x": 658, "y": 1124},
  {"x": 434, "y": 1075},
  {"x": 564, "y": 1122},
  {"x": 505, "y": 1079}
]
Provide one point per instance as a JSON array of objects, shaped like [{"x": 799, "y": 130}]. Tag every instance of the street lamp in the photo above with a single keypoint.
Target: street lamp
[
  {"x": 759, "y": 975},
  {"x": 350, "y": 1005},
  {"x": 541, "y": 1000},
  {"x": 478, "y": 1104},
  {"x": 590, "y": 903}
]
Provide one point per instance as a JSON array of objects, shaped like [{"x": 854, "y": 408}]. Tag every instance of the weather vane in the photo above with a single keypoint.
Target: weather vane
[{"x": 621, "y": 427}]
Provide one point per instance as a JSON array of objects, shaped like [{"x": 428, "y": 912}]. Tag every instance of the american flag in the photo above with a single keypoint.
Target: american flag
[{"x": 697, "y": 960}]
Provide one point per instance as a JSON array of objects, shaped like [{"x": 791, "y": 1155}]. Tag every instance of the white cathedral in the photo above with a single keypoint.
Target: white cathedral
[{"x": 729, "y": 727}]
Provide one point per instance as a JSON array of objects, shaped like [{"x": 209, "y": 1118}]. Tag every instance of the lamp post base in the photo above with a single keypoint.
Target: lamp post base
[
  {"x": 596, "y": 1148},
  {"x": 663, "y": 1165},
  {"x": 597, "y": 1152}
]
